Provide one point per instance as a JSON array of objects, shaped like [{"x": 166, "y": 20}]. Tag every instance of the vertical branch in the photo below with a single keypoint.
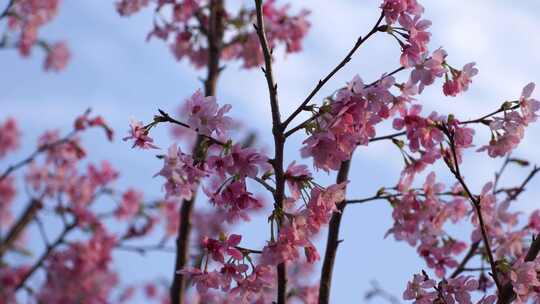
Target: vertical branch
[
  {"x": 215, "y": 38},
  {"x": 279, "y": 142},
  {"x": 333, "y": 241}
]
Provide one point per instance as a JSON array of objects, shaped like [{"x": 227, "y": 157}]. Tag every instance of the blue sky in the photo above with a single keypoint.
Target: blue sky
[{"x": 119, "y": 75}]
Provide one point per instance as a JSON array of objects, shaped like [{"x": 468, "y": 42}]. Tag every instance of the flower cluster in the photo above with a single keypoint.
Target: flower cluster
[
  {"x": 185, "y": 26},
  {"x": 25, "y": 18},
  {"x": 349, "y": 120},
  {"x": 508, "y": 131},
  {"x": 9, "y": 137}
]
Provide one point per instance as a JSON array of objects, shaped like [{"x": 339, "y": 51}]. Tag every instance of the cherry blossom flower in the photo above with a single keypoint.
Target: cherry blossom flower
[
  {"x": 219, "y": 248},
  {"x": 418, "y": 290},
  {"x": 57, "y": 57},
  {"x": 296, "y": 177},
  {"x": 130, "y": 204},
  {"x": 181, "y": 172},
  {"x": 460, "y": 80},
  {"x": 9, "y": 137},
  {"x": 140, "y": 136},
  {"x": 204, "y": 116}
]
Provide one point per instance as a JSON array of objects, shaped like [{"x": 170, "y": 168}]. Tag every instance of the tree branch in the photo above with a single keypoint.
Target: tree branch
[
  {"x": 215, "y": 39},
  {"x": 279, "y": 142},
  {"x": 26, "y": 218},
  {"x": 332, "y": 241},
  {"x": 340, "y": 65},
  {"x": 476, "y": 204}
]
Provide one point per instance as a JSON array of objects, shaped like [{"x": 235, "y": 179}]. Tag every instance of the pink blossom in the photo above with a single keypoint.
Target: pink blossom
[
  {"x": 225, "y": 246},
  {"x": 129, "y": 205},
  {"x": 507, "y": 133},
  {"x": 311, "y": 254},
  {"x": 170, "y": 211},
  {"x": 349, "y": 121},
  {"x": 524, "y": 278},
  {"x": 458, "y": 289},
  {"x": 202, "y": 280},
  {"x": 9, "y": 137},
  {"x": 7, "y": 195},
  {"x": 528, "y": 106},
  {"x": 140, "y": 136},
  {"x": 418, "y": 290},
  {"x": 296, "y": 177},
  {"x": 130, "y": 7},
  {"x": 57, "y": 57},
  {"x": 426, "y": 72},
  {"x": 235, "y": 200},
  {"x": 182, "y": 174},
  {"x": 204, "y": 115},
  {"x": 460, "y": 80},
  {"x": 80, "y": 271}
]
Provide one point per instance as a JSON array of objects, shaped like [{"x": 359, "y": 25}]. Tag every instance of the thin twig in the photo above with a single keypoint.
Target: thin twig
[
  {"x": 340, "y": 65},
  {"x": 165, "y": 117}
]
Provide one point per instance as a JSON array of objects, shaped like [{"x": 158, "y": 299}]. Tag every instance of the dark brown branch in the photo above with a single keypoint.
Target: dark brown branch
[
  {"x": 279, "y": 142},
  {"x": 165, "y": 117},
  {"x": 483, "y": 118},
  {"x": 521, "y": 187},
  {"x": 332, "y": 241},
  {"x": 215, "y": 40},
  {"x": 14, "y": 233},
  {"x": 340, "y": 65},
  {"x": 390, "y": 136},
  {"x": 392, "y": 196}
]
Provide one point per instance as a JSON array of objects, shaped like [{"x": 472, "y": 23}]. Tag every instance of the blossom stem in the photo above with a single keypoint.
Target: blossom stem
[
  {"x": 165, "y": 117},
  {"x": 483, "y": 118}
]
